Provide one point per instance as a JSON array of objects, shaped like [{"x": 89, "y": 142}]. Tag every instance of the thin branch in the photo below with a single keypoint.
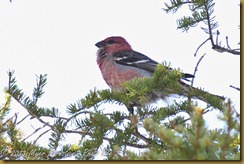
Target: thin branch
[
  {"x": 33, "y": 115},
  {"x": 209, "y": 24},
  {"x": 10, "y": 74},
  {"x": 138, "y": 134},
  {"x": 9, "y": 119},
  {"x": 217, "y": 37},
  {"x": 33, "y": 133},
  {"x": 130, "y": 144},
  {"x": 137, "y": 145},
  {"x": 196, "y": 68},
  {"x": 16, "y": 117},
  {"x": 41, "y": 135},
  {"x": 75, "y": 115},
  {"x": 236, "y": 49},
  {"x": 235, "y": 87},
  {"x": 237, "y": 114},
  {"x": 76, "y": 132},
  {"x": 56, "y": 117},
  {"x": 227, "y": 42},
  {"x": 195, "y": 54},
  {"x": 216, "y": 47},
  {"x": 222, "y": 49},
  {"x": 23, "y": 119}
]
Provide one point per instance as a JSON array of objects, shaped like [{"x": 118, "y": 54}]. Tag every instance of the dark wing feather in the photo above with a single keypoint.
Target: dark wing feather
[{"x": 136, "y": 59}]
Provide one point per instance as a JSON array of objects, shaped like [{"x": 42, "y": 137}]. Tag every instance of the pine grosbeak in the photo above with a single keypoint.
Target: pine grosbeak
[{"x": 118, "y": 63}]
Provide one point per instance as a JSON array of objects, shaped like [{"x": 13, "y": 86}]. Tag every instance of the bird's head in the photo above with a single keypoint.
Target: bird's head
[{"x": 113, "y": 44}]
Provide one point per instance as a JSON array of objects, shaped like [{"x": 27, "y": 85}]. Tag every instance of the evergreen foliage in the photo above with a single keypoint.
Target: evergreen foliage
[
  {"x": 201, "y": 12},
  {"x": 176, "y": 131},
  {"x": 161, "y": 132}
]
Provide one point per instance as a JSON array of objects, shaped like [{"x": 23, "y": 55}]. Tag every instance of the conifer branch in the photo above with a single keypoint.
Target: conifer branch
[
  {"x": 5, "y": 107},
  {"x": 209, "y": 22},
  {"x": 202, "y": 11},
  {"x": 174, "y": 138},
  {"x": 211, "y": 25},
  {"x": 34, "y": 115}
]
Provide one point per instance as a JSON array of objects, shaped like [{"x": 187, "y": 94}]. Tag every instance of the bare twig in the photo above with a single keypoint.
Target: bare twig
[
  {"x": 217, "y": 37},
  {"x": 16, "y": 117},
  {"x": 217, "y": 47},
  {"x": 33, "y": 133},
  {"x": 41, "y": 135},
  {"x": 235, "y": 87},
  {"x": 236, "y": 49},
  {"x": 75, "y": 115},
  {"x": 23, "y": 119},
  {"x": 195, "y": 54},
  {"x": 227, "y": 42},
  {"x": 196, "y": 68}
]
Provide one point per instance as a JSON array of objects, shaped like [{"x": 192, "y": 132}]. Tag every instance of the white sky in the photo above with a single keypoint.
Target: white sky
[{"x": 57, "y": 38}]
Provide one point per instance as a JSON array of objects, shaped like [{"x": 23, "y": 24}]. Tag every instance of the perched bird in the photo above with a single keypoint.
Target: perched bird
[{"x": 118, "y": 63}]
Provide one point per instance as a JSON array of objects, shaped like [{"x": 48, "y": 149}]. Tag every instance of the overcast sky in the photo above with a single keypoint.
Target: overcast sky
[{"x": 57, "y": 38}]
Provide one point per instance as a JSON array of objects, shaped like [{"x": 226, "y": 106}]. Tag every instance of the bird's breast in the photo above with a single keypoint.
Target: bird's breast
[{"x": 115, "y": 74}]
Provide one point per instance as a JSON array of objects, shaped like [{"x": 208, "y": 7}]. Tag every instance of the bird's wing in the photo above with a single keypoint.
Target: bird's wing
[{"x": 136, "y": 59}]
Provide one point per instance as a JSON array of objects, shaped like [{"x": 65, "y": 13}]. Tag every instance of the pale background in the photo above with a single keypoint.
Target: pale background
[{"x": 57, "y": 38}]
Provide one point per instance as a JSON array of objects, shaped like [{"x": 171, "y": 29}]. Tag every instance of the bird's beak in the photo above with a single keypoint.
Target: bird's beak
[{"x": 100, "y": 44}]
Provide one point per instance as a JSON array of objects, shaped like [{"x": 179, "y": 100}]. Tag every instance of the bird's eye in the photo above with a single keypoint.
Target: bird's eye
[{"x": 111, "y": 42}]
